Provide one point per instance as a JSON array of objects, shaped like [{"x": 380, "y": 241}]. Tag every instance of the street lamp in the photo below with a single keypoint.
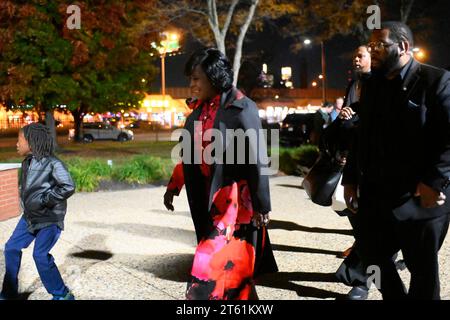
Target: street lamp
[
  {"x": 323, "y": 76},
  {"x": 419, "y": 54},
  {"x": 168, "y": 44}
]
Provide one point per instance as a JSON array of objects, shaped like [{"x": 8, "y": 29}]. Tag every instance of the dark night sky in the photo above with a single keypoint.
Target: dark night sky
[{"x": 338, "y": 52}]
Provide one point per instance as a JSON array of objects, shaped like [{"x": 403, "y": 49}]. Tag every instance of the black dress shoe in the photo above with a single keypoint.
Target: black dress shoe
[{"x": 358, "y": 293}]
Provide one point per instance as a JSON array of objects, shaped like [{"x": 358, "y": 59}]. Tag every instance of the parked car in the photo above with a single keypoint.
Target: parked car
[
  {"x": 296, "y": 129},
  {"x": 133, "y": 124},
  {"x": 104, "y": 131}
]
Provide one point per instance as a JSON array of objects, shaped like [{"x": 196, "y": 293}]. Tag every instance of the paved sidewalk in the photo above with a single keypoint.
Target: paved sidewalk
[{"x": 125, "y": 245}]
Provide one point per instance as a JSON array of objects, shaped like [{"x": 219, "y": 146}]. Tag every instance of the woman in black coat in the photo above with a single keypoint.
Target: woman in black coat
[{"x": 229, "y": 199}]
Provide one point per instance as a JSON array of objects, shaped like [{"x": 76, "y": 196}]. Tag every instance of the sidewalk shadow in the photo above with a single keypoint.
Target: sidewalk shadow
[
  {"x": 284, "y": 280},
  {"x": 172, "y": 213},
  {"x": 291, "y": 226},
  {"x": 172, "y": 267},
  {"x": 290, "y": 186},
  {"x": 93, "y": 255},
  {"x": 149, "y": 231},
  {"x": 280, "y": 247}
]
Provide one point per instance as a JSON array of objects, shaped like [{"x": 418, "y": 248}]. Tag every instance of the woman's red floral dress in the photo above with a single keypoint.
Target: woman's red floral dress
[{"x": 224, "y": 261}]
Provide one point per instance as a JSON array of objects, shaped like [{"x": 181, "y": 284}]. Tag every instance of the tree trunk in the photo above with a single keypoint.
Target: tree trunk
[
  {"x": 78, "y": 120},
  {"x": 240, "y": 41},
  {"x": 50, "y": 123},
  {"x": 77, "y": 125}
]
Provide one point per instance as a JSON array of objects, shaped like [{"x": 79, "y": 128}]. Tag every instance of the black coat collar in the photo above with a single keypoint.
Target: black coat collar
[{"x": 411, "y": 80}]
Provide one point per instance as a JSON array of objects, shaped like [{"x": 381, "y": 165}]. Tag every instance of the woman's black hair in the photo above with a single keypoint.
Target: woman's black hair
[
  {"x": 39, "y": 139},
  {"x": 215, "y": 65}
]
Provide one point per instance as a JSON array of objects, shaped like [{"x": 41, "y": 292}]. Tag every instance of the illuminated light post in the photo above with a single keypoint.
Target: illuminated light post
[
  {"x": 323, "y": 76},
  {"x": 169, "y": 44},
  {"x": 419, "y": 54}
]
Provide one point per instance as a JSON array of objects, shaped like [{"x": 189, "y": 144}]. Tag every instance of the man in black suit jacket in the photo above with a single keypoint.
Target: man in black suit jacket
[{"x": 398, "y": 174}]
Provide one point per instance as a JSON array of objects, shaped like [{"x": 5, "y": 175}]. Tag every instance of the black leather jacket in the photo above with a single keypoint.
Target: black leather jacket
[{"x": 46, "y": 186}]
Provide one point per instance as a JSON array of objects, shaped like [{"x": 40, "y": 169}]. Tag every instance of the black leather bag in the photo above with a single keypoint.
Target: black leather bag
[{"x": 322, "y": 180}]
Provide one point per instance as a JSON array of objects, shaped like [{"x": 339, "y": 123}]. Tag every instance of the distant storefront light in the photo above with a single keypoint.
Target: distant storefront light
[
  {"x": 286, "y": 73},
  {"x": 146, "y": 103}
]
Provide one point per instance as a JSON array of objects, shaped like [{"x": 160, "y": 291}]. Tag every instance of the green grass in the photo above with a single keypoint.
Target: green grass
[
  {"x": 9, "y": 154},
  {"x": 118, "y": 151},
  {"x": 98, "y": 149}
]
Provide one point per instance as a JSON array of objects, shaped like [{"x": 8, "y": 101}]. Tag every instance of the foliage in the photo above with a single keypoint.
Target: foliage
[
  {"x": 88, "y": 173},
  {"x": 293, "y": 159},
  {"x": 141, "y": 169},
  {"x": 96, "y": 68}
]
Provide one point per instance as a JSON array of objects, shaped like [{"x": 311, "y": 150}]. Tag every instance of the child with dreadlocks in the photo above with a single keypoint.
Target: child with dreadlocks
[{"x": 46, "y": 185}]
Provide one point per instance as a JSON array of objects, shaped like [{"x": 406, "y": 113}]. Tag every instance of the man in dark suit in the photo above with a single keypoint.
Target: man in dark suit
[{"x": 397, "y": 176}]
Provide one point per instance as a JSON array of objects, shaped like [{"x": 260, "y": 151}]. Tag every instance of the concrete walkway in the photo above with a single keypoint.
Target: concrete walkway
[{"x": 125, "y": 245}]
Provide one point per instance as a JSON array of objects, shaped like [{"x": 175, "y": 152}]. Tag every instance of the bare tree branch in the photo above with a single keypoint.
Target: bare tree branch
[
  {"x": 405, "y": 10},
  {"x": 240, "y": 40},
  {"x": 230, "y": 13},
  {"x": 212, "y": 13},
  {"x": 213, "y": 21}
]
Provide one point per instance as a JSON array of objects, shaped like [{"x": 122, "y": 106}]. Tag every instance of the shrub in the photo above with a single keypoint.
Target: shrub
[
  {"x": 88, "y": 173},
  {"x": 143, "y": 169},
  {"x": 293, "y": 159}
]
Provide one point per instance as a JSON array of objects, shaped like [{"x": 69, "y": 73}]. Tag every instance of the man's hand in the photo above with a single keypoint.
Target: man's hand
[
  {"x": 168, "y": 200},
  {"x": 429, "y": 198},
  {"x": 346, "y": 114},
  {"x": 351, "y": 197},
  {"x": 260, "y": 219}
]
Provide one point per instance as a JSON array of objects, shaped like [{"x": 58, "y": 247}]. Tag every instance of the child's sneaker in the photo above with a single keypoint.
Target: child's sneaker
[{"x": 68, "y": 296}]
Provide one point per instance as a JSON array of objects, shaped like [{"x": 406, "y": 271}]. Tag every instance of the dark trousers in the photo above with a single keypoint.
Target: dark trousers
[
  {"x": 352, "y": 271},
  {"x": 44, "y": 239},
  {"x": 380, "y": 236}
]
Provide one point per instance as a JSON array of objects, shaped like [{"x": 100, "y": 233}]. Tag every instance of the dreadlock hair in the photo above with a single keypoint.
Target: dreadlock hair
[{"x": 39, "y": 139}]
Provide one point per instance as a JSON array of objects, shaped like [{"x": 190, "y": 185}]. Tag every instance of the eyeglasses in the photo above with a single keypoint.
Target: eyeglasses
[{"x": 379, "y": 45}]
